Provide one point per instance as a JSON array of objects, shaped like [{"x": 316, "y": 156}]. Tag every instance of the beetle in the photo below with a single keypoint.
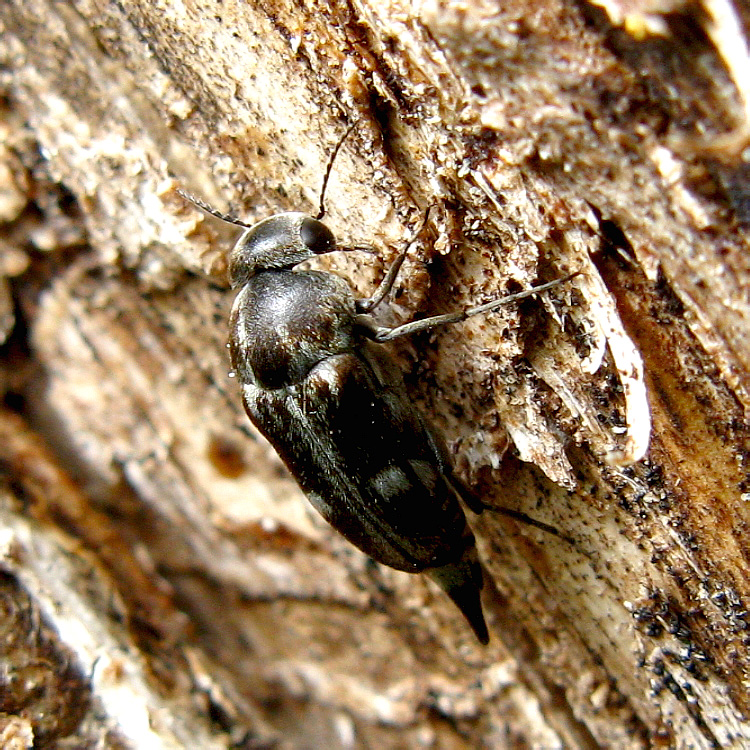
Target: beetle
[{"x": 332, "y": 402}]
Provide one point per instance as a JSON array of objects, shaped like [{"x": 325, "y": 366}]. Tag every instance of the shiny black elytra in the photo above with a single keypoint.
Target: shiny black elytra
[{"x": 334, "y": 406}]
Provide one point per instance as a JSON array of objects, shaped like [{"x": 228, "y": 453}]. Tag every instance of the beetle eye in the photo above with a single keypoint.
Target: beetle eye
[{"x": 317, "y": 236}]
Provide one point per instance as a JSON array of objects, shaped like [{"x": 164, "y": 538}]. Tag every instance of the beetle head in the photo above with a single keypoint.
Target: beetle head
[{"x": 280, "y": 241}]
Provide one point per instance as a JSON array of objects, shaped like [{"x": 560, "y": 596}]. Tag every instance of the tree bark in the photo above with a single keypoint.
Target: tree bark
[{"x": 165, "y": 583}]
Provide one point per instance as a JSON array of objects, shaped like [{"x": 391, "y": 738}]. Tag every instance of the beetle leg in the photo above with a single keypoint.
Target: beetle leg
[
  {"x": 518, "y": 515},
  {"x": 370, "y": 303},
  {"x": 382, "y": 334}
]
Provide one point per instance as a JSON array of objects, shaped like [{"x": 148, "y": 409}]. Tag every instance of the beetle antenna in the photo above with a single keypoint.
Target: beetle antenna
[
  {"x": 228, "y": 218},
  {"x": 322, "y": 210}
]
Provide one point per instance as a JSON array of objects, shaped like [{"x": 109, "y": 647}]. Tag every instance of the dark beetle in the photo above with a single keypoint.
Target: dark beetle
[{"x": 334, "y": 406}]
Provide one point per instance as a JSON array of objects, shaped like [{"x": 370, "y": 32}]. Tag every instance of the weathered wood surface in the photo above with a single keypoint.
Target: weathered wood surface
[{"x": 164, "y": 582}]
